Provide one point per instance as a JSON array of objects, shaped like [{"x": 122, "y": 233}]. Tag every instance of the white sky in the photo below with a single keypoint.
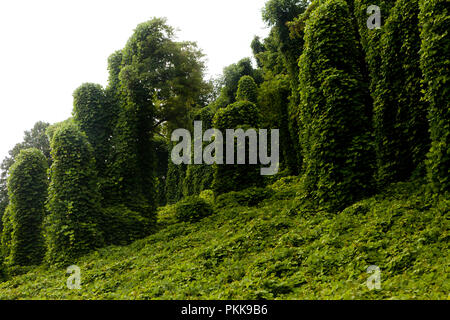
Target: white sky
[{"x": 48, "y": 48}]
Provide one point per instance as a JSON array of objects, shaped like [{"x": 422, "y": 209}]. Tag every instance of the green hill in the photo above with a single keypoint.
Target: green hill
[{"x": 282, "y": 248}]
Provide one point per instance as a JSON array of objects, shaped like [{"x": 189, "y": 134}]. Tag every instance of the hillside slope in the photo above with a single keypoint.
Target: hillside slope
[{"x": 281, "y": 249}]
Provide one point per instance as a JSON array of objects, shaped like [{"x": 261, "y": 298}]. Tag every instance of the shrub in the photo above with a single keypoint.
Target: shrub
[
  {"x": 72, "y": 226},
  {"x": 435, "y": 62},
  {"x": 192, "y": 209},
  {"x": 27, "y": 190},
  {"x": 249, "y": 197}
]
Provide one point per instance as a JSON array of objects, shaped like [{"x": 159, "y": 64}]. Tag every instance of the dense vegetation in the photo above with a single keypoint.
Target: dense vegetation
[
  {"x": 363, "y": 178},
  {"x": 283, "y": 248}
]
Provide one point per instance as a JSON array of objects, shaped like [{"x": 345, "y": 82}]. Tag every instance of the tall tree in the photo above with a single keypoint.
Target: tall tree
[
  {"x": 435, "y": 62},
  {"x": 278, "y": 14},
  {"x": 91, "y": 111},
  {"x": 27, "y": 190},
  {"x": 72, "y": 227},
  {"x": 239, "y": 115},
  {"x": 230, "y": 81},
  {"x": 336, "y": 134},
  {"x": 161, "y": 80},
  {"x": 34, "y": 138},
  {"x": 400, "y": 114},
  {"x": 247, "y": 90}
]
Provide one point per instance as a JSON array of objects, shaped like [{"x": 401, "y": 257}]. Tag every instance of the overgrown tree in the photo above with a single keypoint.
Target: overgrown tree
[
  {"x": 336, "y": 134},
  {"x": 91, "y": 112},
  {"x": 23, "y": 242},
  {"x": 162, "y": 158},
  {"x": 273, "y": 101},
  {"x": 161, "y": 80},
  {"x": 175, "y": 178},
  {"x": 400, "y": 114},
  {"x": 239, "y": 115},
  {"x": 247, "y": 90},
  {"x": 371, "y": 38},
  {"x": 278, "y": 14},
  {"x": 435, "y": 62},
  {"x": 199, "y": 177},
  {"x": 230, "y": 81},
  {"x": 72, "y": 227},
  {"x": 34, "y": 138}
]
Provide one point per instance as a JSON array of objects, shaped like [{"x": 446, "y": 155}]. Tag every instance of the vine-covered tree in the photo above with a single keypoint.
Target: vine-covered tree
[
  {"x": 91, "y": 111},
  {"x": 161, "y": 80},
  {"x": 371, "y": 38},
  {"x": 336, "y": 134},
  {"x": 435, "y": 63},
  {"x": 230, "y": 81},
  {"x": 34, "y": 138},
  {"x": 23, "y": 241},
  {"x": 199, "y": 177},
  {"x": 239, "y": 115},
  {"x": 247, "y": 90},
  {"x": 279, "y": 14},
  {"x": 273, "y": 101},
  {"x": 72, "y": 226},
  {"x": 401, "y": 125}
]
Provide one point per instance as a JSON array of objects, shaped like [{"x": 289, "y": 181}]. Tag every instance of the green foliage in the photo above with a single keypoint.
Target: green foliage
[
  {"x": 286, "y": 47},
  {"x": 111, "y": 167},
  {"x": 121, "y": 226},
  {"x": 200, "y": 177},
  {"x": 6, "y": 234},
  {"x": 247, "y": 90},
  {"x": 435, "y": 63},
  {"x": 230, "y": 81},
  {"x": 273, "y": 101},
  {"x": 371, "y": 39},
  {"x": 158, "y": 69},
  {"x": 336, "y": 138},
  {"x": 160, "y": 81},
  {"x": 400, "y": 117},
  {"x": 132, "y": 180},
  {"x": 73, "y": 222},
  {"x": 23, "y": 242},
  {"x": 34, "y": 138},
  {"x": 95, "y": 117},
  {"x": 274, "y": 251},
  {"x": 243, "y": 115},
  {"x": 197, "y": 179},
  {"x": 249, "y": 197},
  {"x": 175, "y": 176},
  {"x": 162, "y": 157},
  {"x": 277, "y": 13},
  {"x": 192, "y": 209},
  {"x": 2, "y": 270}
]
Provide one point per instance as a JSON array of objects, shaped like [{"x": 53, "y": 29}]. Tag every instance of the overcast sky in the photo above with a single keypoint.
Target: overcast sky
[{"x": 48, "y": 48}]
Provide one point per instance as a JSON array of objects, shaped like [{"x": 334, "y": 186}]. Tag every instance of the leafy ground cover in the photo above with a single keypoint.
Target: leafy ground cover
[{"x": 280, "y": 248}]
